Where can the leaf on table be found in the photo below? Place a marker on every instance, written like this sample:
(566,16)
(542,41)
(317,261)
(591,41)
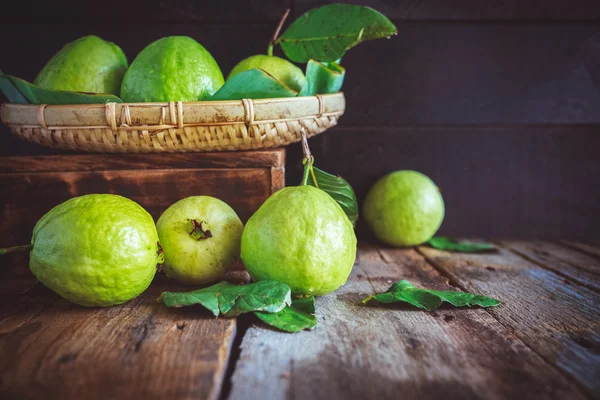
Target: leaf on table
(459,246)
(322,78)
(327,32)
(231,300)
(37,95)
(294,318)
(405,292)
(10,92)
(255,83)
(338,188)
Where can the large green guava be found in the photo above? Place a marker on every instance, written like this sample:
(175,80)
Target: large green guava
(201,239)
(281,69)
(95,250)
(300,236)
(174,68)
(88,64)
(404,208)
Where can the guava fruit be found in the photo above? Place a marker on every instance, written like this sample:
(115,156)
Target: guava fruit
(300,236)
(88,64)
(201,239)
(95,250)
(283,70)
(404,208)
(174,68)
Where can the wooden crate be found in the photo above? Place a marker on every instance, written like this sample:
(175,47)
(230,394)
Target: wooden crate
(30,186)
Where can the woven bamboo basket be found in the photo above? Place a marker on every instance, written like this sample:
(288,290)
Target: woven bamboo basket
(175,126)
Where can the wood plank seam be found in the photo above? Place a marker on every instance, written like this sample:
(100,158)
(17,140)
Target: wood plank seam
(453,282)
(574,246)
(551,269)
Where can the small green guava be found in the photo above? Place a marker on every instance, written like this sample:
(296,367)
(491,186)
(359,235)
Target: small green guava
(282,70)
(96,250)
(88,64)
(404,208)
(300,236)
(201,239)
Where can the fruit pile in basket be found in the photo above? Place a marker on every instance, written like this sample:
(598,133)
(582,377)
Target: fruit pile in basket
(178,68)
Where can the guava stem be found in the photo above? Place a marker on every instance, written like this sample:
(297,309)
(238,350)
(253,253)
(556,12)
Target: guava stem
(199,230)
(276,34)
(25,247)
(308,160)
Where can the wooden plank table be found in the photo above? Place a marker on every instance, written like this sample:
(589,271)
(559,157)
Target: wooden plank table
(542,342)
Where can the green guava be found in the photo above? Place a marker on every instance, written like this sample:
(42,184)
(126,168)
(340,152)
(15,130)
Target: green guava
(88,64)
(174,68)
(404,208)
(201,239)
(283,70)
(95,250)
(300,236)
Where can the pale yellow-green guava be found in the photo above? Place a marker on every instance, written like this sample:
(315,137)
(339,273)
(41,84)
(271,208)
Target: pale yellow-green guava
(95,250)
(300,236)
(404,208)
(282,70)
(88,64)
(174,68)
(201,239)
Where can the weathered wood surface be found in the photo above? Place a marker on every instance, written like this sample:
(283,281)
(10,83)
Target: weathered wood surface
(50,348)
(554,316)
(588,248)
(103,162)
(390,352)
(570,263)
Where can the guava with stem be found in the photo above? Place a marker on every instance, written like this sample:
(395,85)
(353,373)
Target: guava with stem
(281,69)
(201,239)
(302,237)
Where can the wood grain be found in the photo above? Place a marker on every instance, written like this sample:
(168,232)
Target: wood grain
(32,195)
(559,320)
(152,11)
(137,350)
(105,162)
(586,248)
(486,74)
(474,10)
(573,264)
(387,352)
(486,193)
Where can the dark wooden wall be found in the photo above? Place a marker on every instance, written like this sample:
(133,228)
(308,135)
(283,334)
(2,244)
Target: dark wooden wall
(497,101)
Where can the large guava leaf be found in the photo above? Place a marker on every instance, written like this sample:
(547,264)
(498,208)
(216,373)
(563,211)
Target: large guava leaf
(327,32)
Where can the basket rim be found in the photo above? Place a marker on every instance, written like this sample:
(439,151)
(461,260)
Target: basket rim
(161,115)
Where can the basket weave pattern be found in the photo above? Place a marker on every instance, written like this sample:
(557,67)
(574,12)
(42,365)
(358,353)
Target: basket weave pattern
(174,126)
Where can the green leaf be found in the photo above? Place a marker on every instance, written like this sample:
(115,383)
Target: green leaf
(37,95)
(327,32)
(299,316)
(405,292)
(10,92)
(231,300)
(460,246)
(255,83)
(338,188)
(322,78)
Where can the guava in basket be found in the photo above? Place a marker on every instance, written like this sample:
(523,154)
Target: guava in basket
(174,68)
(88,64)
(281,69)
